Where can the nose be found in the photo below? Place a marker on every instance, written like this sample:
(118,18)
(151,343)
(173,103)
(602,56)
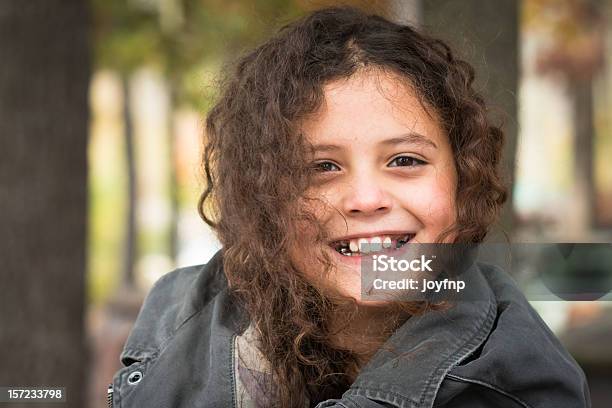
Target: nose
(366,196)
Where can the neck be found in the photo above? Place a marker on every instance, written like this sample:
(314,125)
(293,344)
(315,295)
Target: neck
(364,332)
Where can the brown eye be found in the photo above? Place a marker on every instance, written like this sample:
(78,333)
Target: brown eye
(326,166)
(406,161)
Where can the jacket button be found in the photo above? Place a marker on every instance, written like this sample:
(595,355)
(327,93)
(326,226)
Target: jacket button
(134,377)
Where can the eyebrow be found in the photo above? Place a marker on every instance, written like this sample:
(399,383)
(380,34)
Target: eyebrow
(411,138)
(408,138)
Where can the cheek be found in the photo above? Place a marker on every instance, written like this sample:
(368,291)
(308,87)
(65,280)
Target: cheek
(303,254)
(432,201)
(323,203)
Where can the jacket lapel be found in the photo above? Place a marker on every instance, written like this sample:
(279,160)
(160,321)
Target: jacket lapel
(408,370)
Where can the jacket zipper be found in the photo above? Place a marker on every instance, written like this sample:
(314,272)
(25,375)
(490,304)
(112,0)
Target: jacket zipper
(109,395)
(232,368)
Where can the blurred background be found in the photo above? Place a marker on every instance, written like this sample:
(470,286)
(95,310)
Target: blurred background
(102,104)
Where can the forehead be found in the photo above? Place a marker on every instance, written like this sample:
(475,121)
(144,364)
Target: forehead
(370,105)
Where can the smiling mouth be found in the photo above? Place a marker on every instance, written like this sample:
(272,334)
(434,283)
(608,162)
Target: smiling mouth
(360,246)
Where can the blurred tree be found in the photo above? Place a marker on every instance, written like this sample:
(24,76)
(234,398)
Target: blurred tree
(129,252)
(576,52)
(44,51)
(123,40)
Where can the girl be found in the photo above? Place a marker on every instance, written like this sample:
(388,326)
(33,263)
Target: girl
(342,131)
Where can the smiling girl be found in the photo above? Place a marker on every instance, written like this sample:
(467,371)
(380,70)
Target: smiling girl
(342,134)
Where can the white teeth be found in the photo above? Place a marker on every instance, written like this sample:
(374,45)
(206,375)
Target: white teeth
(387,242)
(367,245)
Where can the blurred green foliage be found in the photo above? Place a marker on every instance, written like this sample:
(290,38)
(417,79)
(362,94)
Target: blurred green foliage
(182,37)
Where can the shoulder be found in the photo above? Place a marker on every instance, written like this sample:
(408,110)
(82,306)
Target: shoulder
(521,363)
(173,299)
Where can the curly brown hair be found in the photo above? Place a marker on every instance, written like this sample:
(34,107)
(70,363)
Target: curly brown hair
(257,173)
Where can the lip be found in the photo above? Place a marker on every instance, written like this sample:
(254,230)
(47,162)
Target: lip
(371,234)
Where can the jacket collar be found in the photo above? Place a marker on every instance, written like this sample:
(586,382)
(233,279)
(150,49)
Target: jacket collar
(409,369)
(174,299)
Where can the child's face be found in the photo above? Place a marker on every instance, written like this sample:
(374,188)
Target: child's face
(385,170)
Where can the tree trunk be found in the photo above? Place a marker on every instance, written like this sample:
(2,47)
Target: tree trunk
(581,217)
(486,34)
(44,78)
(130,240)
(173,242)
